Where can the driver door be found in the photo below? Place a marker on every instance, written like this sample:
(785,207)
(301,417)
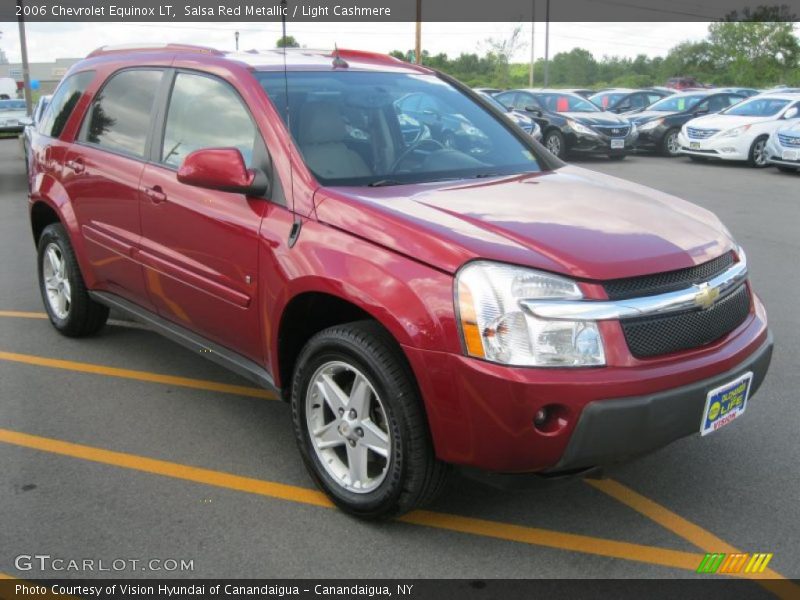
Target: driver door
(199,247)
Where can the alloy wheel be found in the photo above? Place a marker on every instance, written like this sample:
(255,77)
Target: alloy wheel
(56,281)
(673,147)
(554,144)
(347,426)
(760,153)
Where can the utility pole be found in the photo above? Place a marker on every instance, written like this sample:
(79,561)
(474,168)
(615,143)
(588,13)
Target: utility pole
(26,75)
(418,40)
(547,45)
(236,35)
(533,53)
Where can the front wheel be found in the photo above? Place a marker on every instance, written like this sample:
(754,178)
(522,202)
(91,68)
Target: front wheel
(554,142)
(360,425)
(66,300)
(669,144)
(758,153)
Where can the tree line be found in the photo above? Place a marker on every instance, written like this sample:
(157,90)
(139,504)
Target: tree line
(734,53)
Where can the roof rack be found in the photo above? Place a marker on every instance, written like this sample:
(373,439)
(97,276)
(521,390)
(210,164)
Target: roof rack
(126,48)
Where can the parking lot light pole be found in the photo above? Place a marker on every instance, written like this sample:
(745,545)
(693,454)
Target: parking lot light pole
(533,54)
(547,44)
(26,75)
(418,35)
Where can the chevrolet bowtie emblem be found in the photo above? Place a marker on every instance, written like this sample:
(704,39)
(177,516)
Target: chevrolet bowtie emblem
(706,295)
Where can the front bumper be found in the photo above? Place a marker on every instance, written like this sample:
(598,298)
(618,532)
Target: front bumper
(481,414)
(650,139)
(776,153)
(724,148)
(615,430)
(599,143)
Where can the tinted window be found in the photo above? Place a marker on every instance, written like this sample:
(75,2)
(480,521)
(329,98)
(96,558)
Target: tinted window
(63,103)
(653,98)
(507,99)
(122,112)
(639,101)
(525,101)
(717,103)
(205,113)
(607,99)
(677,103)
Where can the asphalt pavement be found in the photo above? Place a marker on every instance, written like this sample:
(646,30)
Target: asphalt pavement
(126,446)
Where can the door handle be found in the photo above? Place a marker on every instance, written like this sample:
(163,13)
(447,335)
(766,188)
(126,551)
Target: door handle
(76,165)
(155,193)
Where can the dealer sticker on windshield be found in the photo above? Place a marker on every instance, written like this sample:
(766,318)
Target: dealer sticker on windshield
(726,403)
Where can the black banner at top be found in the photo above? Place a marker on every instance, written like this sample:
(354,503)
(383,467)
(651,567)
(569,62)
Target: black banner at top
(397,10)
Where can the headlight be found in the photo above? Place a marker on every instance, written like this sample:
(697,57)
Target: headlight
(651,125)
(578,128)
(495,327)
(736,131)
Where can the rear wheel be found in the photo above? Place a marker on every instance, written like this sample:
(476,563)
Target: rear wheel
(669,144)
(66,300)
(360,425)
(758,153)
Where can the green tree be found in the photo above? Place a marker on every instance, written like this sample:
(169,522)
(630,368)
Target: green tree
(576,67)
(287,42)
(754,53)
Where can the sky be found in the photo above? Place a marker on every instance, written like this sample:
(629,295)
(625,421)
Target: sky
(48,41)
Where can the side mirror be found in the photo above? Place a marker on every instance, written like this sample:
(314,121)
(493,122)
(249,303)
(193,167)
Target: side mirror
(791,113)
(222,169)
(534,111)
(622,107)
(701,110)
(26,121)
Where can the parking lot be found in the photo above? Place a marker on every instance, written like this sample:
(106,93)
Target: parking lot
(126,446)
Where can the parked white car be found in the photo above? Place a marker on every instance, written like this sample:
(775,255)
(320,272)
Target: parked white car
(783,146)
(739,132)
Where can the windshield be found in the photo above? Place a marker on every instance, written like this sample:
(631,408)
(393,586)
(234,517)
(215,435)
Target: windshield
(757,107)
(367,128)
(606,99)
(677,103)
(565,103)
(12,105)
(495,102)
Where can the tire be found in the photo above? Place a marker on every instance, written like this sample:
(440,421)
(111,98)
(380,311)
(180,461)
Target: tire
(697,159)
(785,169)
(409,475)
(669,144)
(72,312)
(554,142)
(757,157)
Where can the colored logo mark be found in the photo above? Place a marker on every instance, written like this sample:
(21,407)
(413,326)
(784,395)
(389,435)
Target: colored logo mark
(734,563)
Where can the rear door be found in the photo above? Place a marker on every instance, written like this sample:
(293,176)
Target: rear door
(200,246)
(102,173)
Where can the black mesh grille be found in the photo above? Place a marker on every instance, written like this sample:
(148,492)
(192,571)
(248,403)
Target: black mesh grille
(660,283)
(652,336)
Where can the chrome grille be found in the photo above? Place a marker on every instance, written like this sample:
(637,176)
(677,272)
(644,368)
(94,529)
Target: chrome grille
(789,141)
(700,134)
(613,131)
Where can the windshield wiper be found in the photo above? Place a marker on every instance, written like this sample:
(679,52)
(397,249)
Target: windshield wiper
(384,183)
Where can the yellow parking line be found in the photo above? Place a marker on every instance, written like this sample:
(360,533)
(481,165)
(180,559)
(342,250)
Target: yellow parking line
(81,367)
(503,531)
(19,314)
(702,538)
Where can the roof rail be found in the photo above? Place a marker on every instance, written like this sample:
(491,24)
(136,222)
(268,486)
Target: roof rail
(126,48)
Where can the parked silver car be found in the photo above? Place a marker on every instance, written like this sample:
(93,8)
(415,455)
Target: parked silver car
(12,115)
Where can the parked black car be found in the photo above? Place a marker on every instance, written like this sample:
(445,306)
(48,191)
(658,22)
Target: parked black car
(620,100)
(572,124)
(660,123)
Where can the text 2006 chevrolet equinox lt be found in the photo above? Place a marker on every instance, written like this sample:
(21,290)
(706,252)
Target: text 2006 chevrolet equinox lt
(423,282)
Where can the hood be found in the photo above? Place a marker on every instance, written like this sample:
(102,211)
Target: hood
(725,122)
(13,114)
(598,118)
(791,127)
(647,115)
(571,221)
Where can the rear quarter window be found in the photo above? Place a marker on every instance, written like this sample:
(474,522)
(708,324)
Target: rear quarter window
(57,113)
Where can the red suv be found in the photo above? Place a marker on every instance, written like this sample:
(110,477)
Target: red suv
(424,292)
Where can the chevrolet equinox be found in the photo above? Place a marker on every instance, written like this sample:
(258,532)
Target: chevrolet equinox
(424,292)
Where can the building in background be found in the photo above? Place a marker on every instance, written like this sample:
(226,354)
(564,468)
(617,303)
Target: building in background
(48,74)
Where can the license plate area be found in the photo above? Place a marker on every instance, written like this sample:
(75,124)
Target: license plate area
(726,403)
(694,145)
(791,155)
(617,144)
